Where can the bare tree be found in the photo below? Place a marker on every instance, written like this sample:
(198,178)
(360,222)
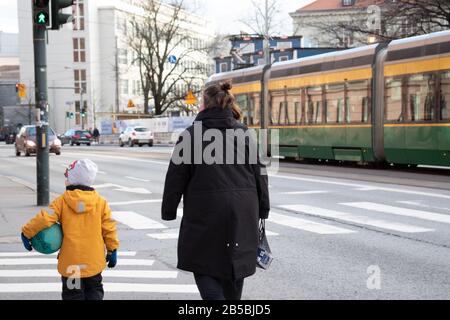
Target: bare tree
(157,36)
(256,21)
(386,21)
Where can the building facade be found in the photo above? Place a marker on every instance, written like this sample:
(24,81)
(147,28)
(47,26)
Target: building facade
(90,66)
(9,69)
(248,51)
(353,23)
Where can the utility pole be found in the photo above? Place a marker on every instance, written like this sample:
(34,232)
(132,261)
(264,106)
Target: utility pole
(266,35)
(82,108)
(41,16)
(46,14)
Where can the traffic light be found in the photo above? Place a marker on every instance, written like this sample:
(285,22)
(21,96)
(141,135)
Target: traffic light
(83,113)
(59,18)
(41,13)
(70,115)
(21,89)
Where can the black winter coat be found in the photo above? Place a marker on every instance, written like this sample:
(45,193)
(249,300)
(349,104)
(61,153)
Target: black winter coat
(222,207)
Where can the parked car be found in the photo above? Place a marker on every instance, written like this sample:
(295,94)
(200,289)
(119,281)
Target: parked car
(76,137)
(26,141)
(136,136)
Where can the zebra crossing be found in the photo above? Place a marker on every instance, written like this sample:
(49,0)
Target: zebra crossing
(19,272)
(315,219)
(23,272)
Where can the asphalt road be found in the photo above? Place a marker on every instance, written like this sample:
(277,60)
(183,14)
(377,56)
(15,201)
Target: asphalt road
(336,233)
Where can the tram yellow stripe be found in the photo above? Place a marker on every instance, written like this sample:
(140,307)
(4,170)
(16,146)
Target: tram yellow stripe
(419,66)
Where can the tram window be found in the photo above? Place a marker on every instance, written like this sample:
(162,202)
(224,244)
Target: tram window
(394,100)
(335,103)
(298,113)
(278,108)
(358,101)
(293,107)
(243,102)
(421,97)
(314,105)
(256,107)
(366,110)
(445,96)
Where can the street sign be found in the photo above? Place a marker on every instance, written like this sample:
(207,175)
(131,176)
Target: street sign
(131,104)
(172,59)
(191,98)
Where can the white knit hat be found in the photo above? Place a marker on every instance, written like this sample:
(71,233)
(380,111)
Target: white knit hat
(82,173)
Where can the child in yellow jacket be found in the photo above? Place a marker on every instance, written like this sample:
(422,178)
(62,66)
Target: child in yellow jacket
(89,233)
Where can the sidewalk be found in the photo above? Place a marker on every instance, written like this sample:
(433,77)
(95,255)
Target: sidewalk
(17,206)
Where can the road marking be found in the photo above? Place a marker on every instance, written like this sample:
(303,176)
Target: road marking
(306,225)
(419,204)
(419,214)
(34,254)
(101,172)
(163,236)
(138,179)
(121,158)
(136,221)
(304,192)
(125,203)
(363,187)
(122,188)
(43,261)
(141,274)
(108,287)
(268,233)
(338,215)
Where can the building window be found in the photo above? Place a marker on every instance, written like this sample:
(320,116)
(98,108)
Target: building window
(79,50)
(78,111)
(78,14)
(124,87)
(80,80)
(223,67)
(284,45)
(122,56)
(347,3)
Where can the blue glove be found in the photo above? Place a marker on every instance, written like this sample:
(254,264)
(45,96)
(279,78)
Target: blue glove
(26,242)
(111,258)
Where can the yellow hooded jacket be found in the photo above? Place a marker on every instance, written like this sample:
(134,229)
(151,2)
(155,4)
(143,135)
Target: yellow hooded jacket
(88,228)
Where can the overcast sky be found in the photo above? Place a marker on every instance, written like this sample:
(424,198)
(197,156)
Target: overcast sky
(225,13)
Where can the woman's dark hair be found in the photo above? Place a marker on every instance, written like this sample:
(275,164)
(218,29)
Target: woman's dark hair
(219,96)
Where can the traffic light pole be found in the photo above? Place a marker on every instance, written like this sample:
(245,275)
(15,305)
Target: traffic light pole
(42,159)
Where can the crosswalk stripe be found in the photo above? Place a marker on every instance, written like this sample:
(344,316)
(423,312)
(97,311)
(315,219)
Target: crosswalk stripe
(419,214)
(126,203)
(163,236)
(303,193)
(306,225)
(37,254)
(268,233)
(174,236)
(43,261)
(108,287)
(345,216)
(138,274)
(136,221)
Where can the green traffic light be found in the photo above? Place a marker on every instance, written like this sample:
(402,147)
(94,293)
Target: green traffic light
(42,18)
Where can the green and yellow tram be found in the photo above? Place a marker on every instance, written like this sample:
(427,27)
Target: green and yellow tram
(383,103)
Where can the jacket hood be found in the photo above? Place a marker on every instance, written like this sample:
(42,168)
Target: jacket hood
(81,201)
(217,118)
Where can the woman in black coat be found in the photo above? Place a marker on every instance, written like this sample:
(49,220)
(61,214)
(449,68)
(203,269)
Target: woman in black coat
(223,203)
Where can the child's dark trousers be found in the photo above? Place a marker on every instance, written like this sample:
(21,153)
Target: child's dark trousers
(83,289)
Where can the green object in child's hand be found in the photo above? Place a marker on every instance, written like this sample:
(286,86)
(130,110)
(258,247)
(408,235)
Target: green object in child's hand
(49,240)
